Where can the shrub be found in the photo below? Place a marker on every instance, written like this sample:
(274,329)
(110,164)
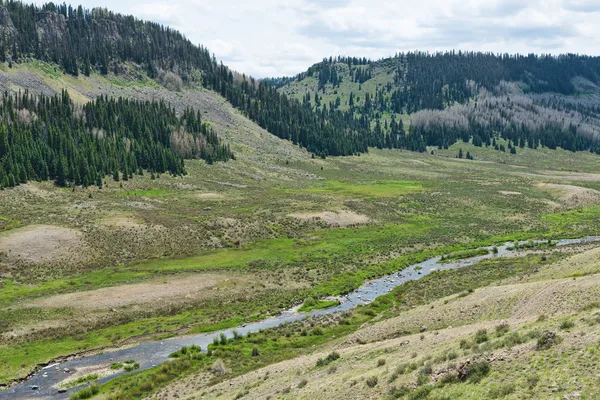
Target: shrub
(566,324)
(399,392)
(330,358)
(481,336)
(502,329)
(449,378)
(255,352)
(302,383)
(422,379)
(116,366)
(547,339)
(476,371)
(381,362)
(420,393)
(172,81)
(86,393)
(502,390)
(219,369)
(372,381)
(511,340)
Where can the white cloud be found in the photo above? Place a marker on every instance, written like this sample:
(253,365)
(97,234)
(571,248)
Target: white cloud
(274,38)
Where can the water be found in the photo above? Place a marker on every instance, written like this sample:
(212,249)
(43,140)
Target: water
(152,353)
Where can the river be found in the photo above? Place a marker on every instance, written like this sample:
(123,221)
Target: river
(43,384)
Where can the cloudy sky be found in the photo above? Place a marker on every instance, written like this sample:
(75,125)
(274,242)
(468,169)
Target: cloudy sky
(267,38)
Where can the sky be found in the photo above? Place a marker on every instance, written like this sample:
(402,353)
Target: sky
(269,38)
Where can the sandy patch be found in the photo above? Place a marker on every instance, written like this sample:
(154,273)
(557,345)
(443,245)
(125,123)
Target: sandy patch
(210,196)
(121,221)
(41,243)
(509,193)
(141,205)
(124,295)
(418,162)
(339,218)
(572,195)
(31,189)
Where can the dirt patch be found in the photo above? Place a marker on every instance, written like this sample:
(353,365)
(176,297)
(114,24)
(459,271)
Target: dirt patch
(121,221)
(509,193)
(572,195)
(148,292)
(338,218)
(41,243)
(141,205)
(210,196)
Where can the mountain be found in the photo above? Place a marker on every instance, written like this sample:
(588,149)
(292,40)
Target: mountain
(82,41)
(414,100)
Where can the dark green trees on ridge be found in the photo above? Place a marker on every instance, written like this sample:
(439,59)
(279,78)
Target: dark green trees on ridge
(49,138)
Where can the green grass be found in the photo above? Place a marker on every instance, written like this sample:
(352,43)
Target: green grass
(461,255)
(79,381)
(375,189)
(7,223)
(317,305)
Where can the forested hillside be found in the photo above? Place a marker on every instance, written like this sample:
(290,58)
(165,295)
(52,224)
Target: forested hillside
(86,41)
(49,138)
(530,100)
(343,105)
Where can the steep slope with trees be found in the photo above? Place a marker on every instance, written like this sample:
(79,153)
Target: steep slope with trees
(49,138)
(82,41)
(461,95)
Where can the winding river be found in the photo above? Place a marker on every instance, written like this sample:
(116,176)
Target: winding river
(43,384)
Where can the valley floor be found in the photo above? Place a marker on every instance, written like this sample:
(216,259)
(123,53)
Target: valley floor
(84,270)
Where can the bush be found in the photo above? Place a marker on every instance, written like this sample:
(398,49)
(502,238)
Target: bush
(399,392)
(481,336)
(172,81)
(329,359)
(302,383)
(476,371)
(372,381)
(219,369)
(566,324)
(86,393)
(422,379)
(502,391)
(502,329)
(547,339)
(381,362)
(420,393)
(449,378)
(255,352)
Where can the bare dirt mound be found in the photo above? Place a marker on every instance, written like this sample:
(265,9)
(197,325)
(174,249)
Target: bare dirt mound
(572,195)
(121,221)
(510,193)
(210,196)
(41,244)
(338,218)
(141,293)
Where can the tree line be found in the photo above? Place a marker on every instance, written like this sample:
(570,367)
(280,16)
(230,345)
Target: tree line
(50,138)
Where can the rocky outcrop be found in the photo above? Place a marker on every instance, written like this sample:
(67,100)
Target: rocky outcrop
(51,27)
(7,28)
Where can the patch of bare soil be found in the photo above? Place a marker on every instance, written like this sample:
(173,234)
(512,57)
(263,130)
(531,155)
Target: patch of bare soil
(141,205)
(121,221)
(572,195)
(196,286)
(210,196)
(509,193)
(338,218)
(42,243)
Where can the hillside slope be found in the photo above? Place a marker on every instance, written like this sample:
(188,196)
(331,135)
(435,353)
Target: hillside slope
(501,328)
